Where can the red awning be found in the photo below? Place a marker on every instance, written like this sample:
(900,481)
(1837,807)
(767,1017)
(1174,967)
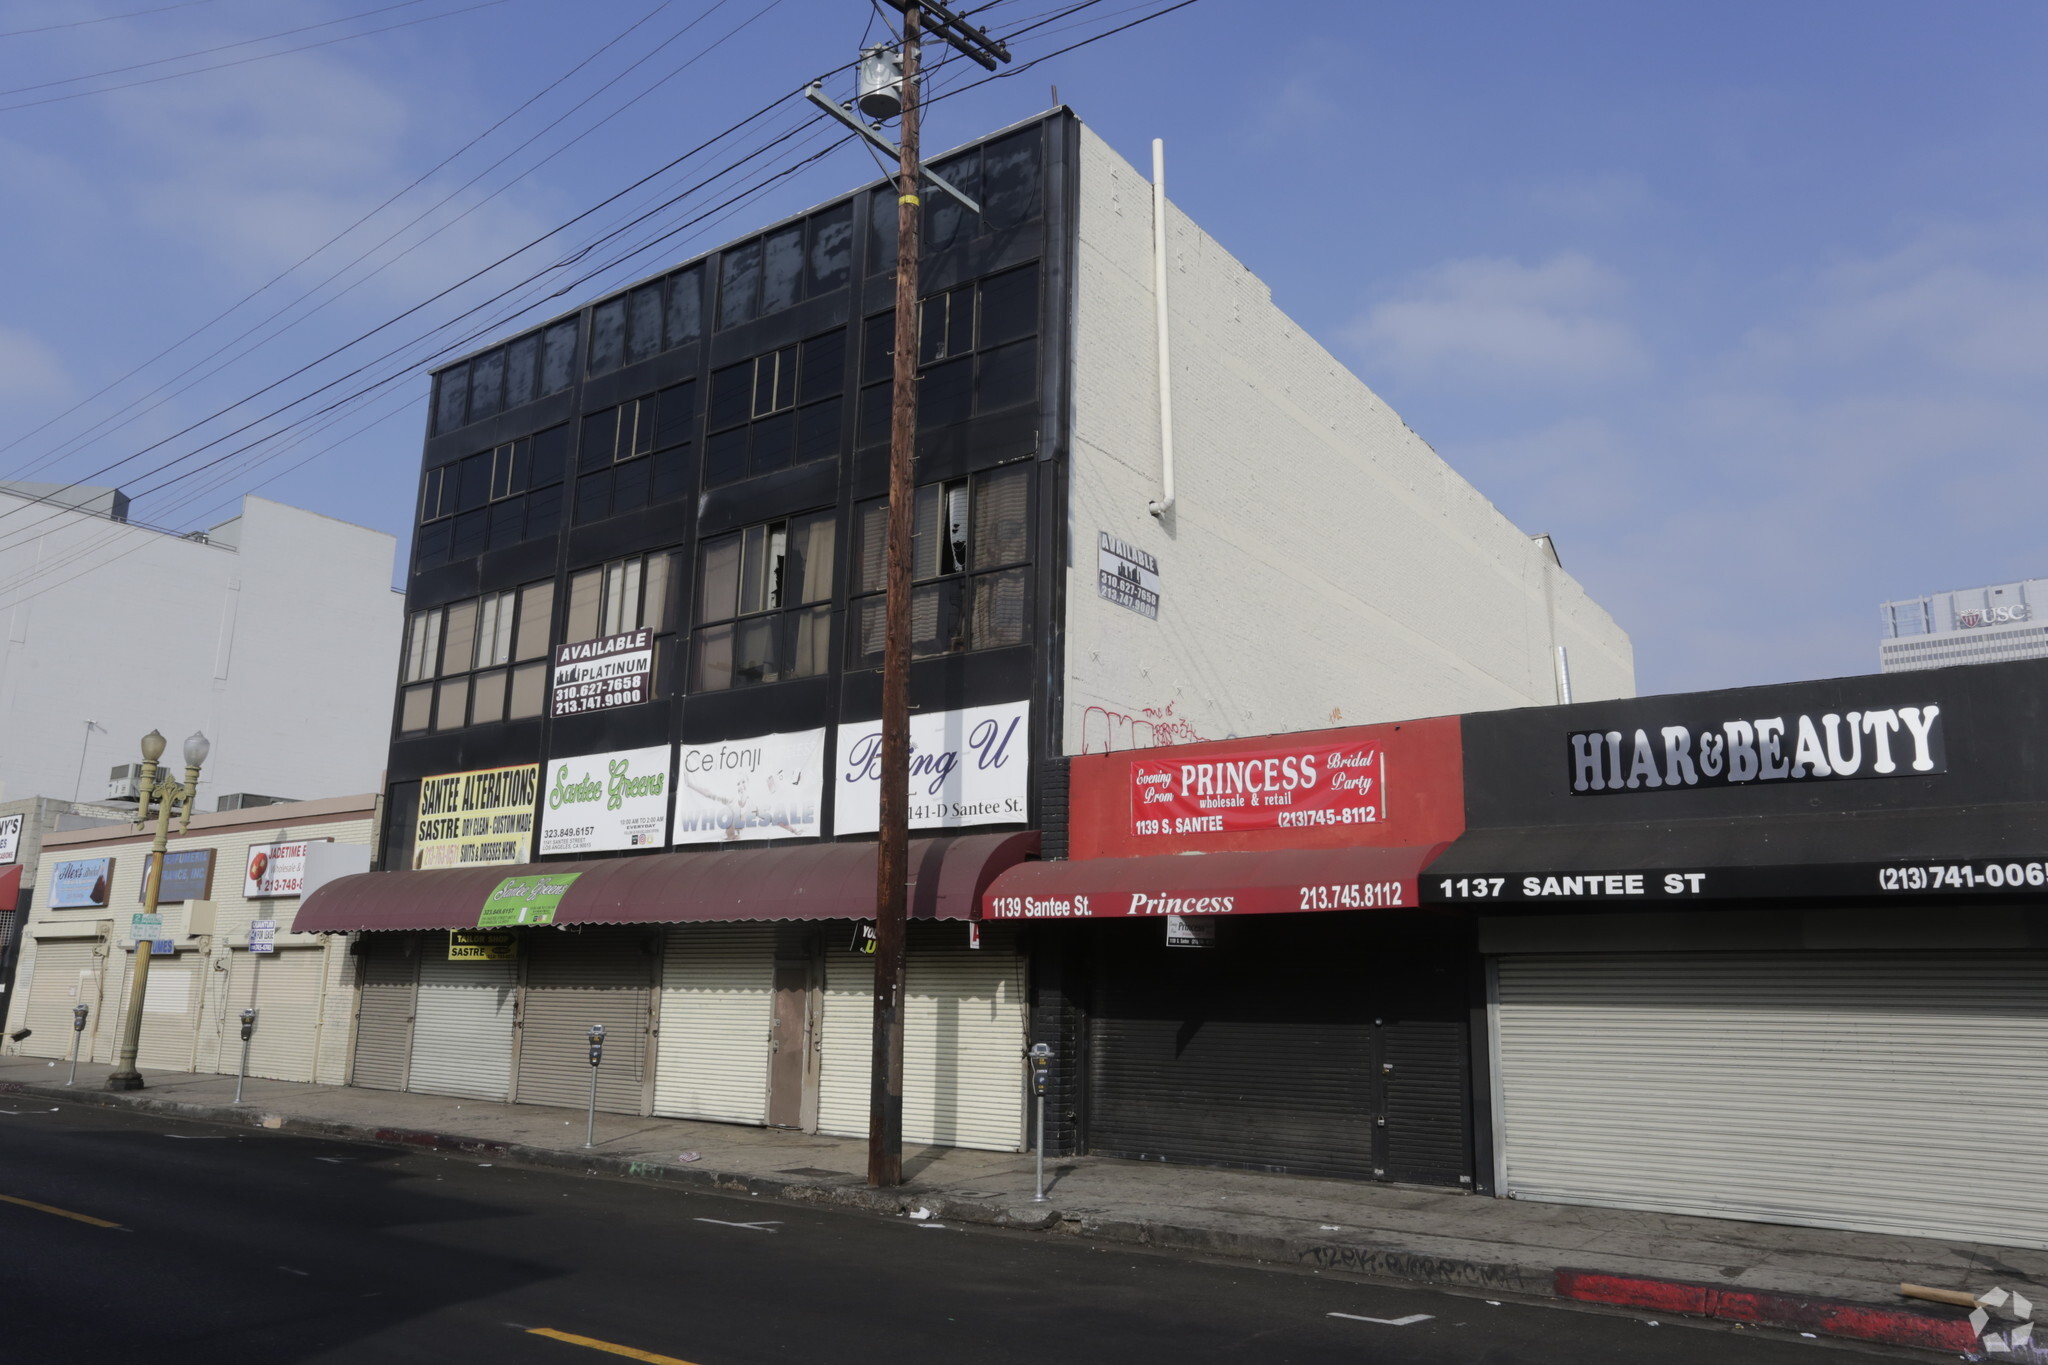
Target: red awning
(10,887)
(1283,881)
(811,881)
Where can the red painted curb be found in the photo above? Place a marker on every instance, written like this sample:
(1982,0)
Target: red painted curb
(1890,1325)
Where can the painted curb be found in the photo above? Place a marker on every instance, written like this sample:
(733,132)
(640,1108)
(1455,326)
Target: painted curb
(1888,1324)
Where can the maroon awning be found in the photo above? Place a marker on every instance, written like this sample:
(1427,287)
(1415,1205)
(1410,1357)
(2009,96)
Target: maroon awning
(811,881)
(10,887)
(1283,881)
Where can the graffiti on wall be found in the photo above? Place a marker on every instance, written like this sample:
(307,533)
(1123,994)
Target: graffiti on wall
(1105,732)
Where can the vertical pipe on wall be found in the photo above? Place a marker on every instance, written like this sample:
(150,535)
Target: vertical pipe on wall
(1161,505)
(1564,676)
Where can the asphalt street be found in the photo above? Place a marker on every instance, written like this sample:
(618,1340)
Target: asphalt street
(147,1239)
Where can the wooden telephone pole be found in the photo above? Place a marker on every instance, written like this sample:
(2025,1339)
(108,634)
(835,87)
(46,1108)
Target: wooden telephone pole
(885,1095)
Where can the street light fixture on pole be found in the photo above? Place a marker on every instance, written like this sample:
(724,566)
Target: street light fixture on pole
(156,788)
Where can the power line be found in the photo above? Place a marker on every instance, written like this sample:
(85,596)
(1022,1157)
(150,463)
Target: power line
(103,19)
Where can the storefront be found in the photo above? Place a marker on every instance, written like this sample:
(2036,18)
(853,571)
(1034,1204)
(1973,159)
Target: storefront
(1235,967)
(728,984)
(1777,953)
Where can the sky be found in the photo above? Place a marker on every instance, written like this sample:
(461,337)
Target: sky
(1746,305)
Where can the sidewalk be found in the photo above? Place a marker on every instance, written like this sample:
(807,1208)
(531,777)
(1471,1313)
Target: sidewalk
(1755,1272)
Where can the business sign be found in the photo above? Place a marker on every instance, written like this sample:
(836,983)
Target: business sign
(525,900)
(596,675)
(1182,932)
(10,839)
(81,882)
(606,801)
(1287,786)
(767,787)
(1903,741)
(968,767)
(1683,883)
(263,936)
(188,876)
(483,945)
(477,819)
(1977,618)
(1126,575)
(273,870)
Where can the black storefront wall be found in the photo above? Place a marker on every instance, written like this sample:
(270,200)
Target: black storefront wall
(1333,1044)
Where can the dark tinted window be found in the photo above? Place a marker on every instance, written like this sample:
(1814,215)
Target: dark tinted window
(823,368)
(882,229)
(676,408)
(685,305)
(451,404)
(829,263)
(600,434)
(508,523)
(471,531)
(433,545)
(817,430)
(1011,179)
(1009,305)
(486,385)
(774,444)
(739,284)
(593,497)
(878,347)
(1009,375)
(629,487)
(544,511)
(874,414)
(946,220)
(782,269)
(522,369)
(725,457)
(732,395)
(558,357)
(550,453)
(643,337)
(944,392)
(608,336)
(476,481)
(671,473)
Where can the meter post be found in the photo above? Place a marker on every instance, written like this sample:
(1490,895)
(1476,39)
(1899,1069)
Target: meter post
(78,1013)
(1041,1077)
(248,1032)
(596,1056)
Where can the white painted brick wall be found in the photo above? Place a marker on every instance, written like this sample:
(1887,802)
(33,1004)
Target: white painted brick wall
(1322,565)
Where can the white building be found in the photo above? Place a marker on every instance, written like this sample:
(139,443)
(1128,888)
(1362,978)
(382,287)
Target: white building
(1967,626)
(276,633)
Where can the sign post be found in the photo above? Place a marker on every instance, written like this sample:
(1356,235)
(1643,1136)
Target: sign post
(1041,1078)
(596,1056)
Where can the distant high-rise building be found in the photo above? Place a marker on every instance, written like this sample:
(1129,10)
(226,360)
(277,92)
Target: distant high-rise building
(1967,626)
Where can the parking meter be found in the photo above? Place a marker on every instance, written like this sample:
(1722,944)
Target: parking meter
(596,1044)
(596,1056)
(1041,1068)
(78,1013)
(248,1025)
(248,1032)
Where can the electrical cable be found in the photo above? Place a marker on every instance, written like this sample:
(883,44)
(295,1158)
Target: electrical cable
(103,19)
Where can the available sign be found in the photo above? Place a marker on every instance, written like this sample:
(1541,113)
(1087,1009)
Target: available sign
(767,787)
(596,675)
(1298,786)
(606,801)
(10,839)
(274,870)
(967,767)
(482,945)
(188,876)
(1126,575)
(263,936)
(525,900)
(81,882)
(477,819)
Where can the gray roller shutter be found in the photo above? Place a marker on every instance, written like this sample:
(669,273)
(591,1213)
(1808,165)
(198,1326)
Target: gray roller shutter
(717,1012)
(462,1025)
(1890,1093)
(170,1012)
(384,1010)
(602,975)
(285,987)
(963,1040)
(67,974)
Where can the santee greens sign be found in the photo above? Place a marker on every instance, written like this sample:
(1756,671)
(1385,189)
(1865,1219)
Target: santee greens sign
(525,900)
(606,801)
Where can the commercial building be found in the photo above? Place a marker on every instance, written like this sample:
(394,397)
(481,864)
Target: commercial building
(23,827)
(644,623)
(275,632)
(1997,624)
(231,885)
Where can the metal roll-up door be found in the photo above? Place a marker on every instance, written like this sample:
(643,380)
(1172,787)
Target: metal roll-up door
(462,1025)
(1302,1044)
(963,1040)
(67,974)
(285,988)
(1881,1092)
(602,975)
(717,1013)
(384,1009)
(170,1013)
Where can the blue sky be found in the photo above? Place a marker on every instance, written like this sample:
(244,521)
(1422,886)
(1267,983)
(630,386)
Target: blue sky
(1745,304)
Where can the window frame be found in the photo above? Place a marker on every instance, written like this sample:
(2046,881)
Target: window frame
(951,588)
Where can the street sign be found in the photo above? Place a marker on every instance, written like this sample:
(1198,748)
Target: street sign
(145,928)
(263,936)
(163,947)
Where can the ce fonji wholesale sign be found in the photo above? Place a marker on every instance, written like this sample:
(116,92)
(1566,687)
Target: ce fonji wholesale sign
(767,787)
(1296,786)
(606,801)
(967,767)
(596,675)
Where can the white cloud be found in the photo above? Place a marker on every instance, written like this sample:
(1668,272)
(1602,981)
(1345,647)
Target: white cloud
(1487,322)
(28,368)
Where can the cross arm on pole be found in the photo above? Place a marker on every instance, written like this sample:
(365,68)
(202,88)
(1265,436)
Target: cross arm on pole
(957,33)
(817,96)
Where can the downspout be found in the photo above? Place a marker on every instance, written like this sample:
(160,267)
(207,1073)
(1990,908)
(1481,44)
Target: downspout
(1162,505)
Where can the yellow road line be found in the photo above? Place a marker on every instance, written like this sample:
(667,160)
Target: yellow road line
(594,1344)
(61,1213)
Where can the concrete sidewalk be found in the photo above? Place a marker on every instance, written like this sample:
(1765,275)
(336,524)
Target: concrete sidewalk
(1717,1267)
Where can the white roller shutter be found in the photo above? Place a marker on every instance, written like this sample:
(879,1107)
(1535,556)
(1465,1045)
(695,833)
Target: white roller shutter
(285,987)
(1882,1092)
(462,1025)
(717,1010)
(67,974)
(170,1013)
(963,1044)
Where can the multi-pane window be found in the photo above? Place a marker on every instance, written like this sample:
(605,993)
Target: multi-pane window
(496,497)
(792,263)
(977,352)
(764,603)
(622,595)
(970,548)
(776,410)
(636,453)
(526,368)
(1003,176)
(648,320)
(471,663)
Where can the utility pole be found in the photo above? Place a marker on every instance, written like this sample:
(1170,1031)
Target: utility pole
(892,854)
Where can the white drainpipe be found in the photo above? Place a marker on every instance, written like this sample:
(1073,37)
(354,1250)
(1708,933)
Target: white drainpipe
(1162,505)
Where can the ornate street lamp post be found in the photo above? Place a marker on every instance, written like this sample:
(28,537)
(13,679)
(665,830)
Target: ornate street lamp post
(168,796)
